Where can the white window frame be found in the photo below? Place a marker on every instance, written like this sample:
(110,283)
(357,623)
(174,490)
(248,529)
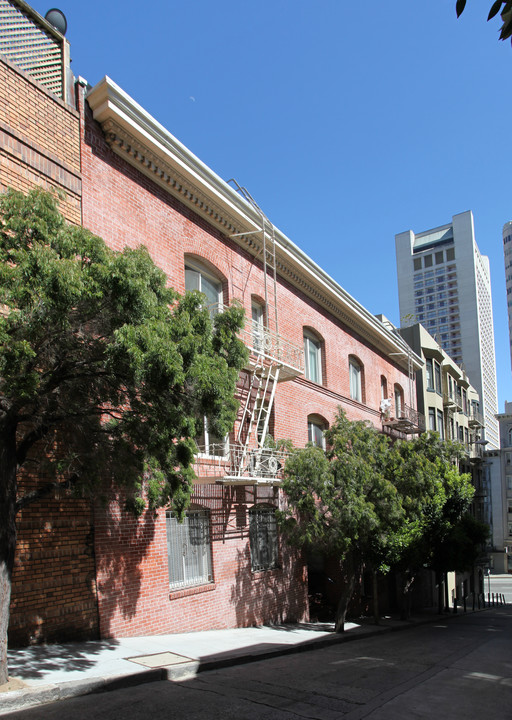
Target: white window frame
(258,325)
(316,429)
(195,275)
(355,372)
(189,549)
(399,401)
(211,446)
(263,538)
(312,345)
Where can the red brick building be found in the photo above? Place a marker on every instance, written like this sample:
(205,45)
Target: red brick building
(313,349)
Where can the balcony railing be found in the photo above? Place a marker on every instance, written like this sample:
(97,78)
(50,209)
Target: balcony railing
(271,346)
(450,401)
(408,421)
(475,419)
(236,464)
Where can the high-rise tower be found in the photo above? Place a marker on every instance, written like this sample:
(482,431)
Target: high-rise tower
(507,252)
(445,284)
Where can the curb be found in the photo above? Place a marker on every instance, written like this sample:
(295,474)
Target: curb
(31,697)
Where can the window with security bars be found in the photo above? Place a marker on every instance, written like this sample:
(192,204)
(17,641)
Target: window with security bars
(189,552)
(263,538)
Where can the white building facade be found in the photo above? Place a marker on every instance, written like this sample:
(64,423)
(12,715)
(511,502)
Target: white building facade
(499,473)
(445,284)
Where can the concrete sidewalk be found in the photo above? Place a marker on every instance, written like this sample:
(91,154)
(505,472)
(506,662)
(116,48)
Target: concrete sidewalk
(48,673)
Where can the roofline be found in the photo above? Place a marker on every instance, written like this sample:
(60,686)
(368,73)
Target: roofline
(135,135)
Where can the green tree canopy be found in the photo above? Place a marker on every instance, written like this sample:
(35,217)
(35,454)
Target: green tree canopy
(106,373)
(341,503)
(368,502)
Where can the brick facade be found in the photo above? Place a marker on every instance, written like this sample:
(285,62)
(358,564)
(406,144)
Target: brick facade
(39,140)
(54,585)
(83,572)
(127,208)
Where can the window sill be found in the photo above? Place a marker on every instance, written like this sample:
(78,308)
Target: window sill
(194,590)
(256,574)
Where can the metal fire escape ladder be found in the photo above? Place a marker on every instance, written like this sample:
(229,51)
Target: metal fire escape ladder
(268,253)
(265,375)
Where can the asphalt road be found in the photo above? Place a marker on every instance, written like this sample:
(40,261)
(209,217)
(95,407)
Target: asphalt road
(499,584)
(456,667)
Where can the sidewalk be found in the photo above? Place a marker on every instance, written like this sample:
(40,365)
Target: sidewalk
(48,673)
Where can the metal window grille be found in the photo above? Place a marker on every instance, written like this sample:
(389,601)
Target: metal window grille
(189,549)
(31,48)
(263,538)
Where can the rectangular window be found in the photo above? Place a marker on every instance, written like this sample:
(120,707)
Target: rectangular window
(450,254)
(431,418)
(263,538)
(427,260)
(417,263)
(189,554)
(439,257)
(440,424)
(430,374)
(437,376)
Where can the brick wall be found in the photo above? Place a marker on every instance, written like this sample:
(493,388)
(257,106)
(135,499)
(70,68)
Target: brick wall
(54,586)
(39,140)
(133,578)
(54,579)
(127,209)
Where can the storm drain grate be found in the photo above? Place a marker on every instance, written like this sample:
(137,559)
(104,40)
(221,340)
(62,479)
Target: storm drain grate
(160,660)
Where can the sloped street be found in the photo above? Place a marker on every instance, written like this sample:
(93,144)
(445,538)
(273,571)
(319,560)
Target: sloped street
(453,667)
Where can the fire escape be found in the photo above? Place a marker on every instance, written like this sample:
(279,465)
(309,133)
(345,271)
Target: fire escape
(250,457)
(398,417)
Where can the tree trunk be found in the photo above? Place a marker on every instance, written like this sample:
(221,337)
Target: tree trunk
(349,572)
(8,490)
(408,579)
(375,593)
(440,592)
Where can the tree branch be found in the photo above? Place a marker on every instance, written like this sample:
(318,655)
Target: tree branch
(44,491)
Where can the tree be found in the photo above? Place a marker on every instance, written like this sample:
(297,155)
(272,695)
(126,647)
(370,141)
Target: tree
(504,7)
(438,496)
(105,372)
(341,503)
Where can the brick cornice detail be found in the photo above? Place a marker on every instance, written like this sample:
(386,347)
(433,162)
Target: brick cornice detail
(165,175)
(134,135)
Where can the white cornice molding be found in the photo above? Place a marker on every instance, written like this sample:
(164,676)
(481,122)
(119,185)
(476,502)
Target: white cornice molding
(143,142)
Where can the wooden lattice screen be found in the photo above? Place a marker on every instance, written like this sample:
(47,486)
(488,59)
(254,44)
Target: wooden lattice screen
(25,43)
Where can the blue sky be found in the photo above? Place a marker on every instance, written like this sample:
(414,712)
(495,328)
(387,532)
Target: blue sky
(348,122)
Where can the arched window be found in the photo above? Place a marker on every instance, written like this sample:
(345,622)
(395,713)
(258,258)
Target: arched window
(189,553)
(198,277)
(313,357)
(383,388)
(258,324)
(399,401)
(509,437)
(355,370)
(263,537)
(316,428)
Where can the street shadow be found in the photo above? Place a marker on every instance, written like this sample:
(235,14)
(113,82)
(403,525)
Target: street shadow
(36,662)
